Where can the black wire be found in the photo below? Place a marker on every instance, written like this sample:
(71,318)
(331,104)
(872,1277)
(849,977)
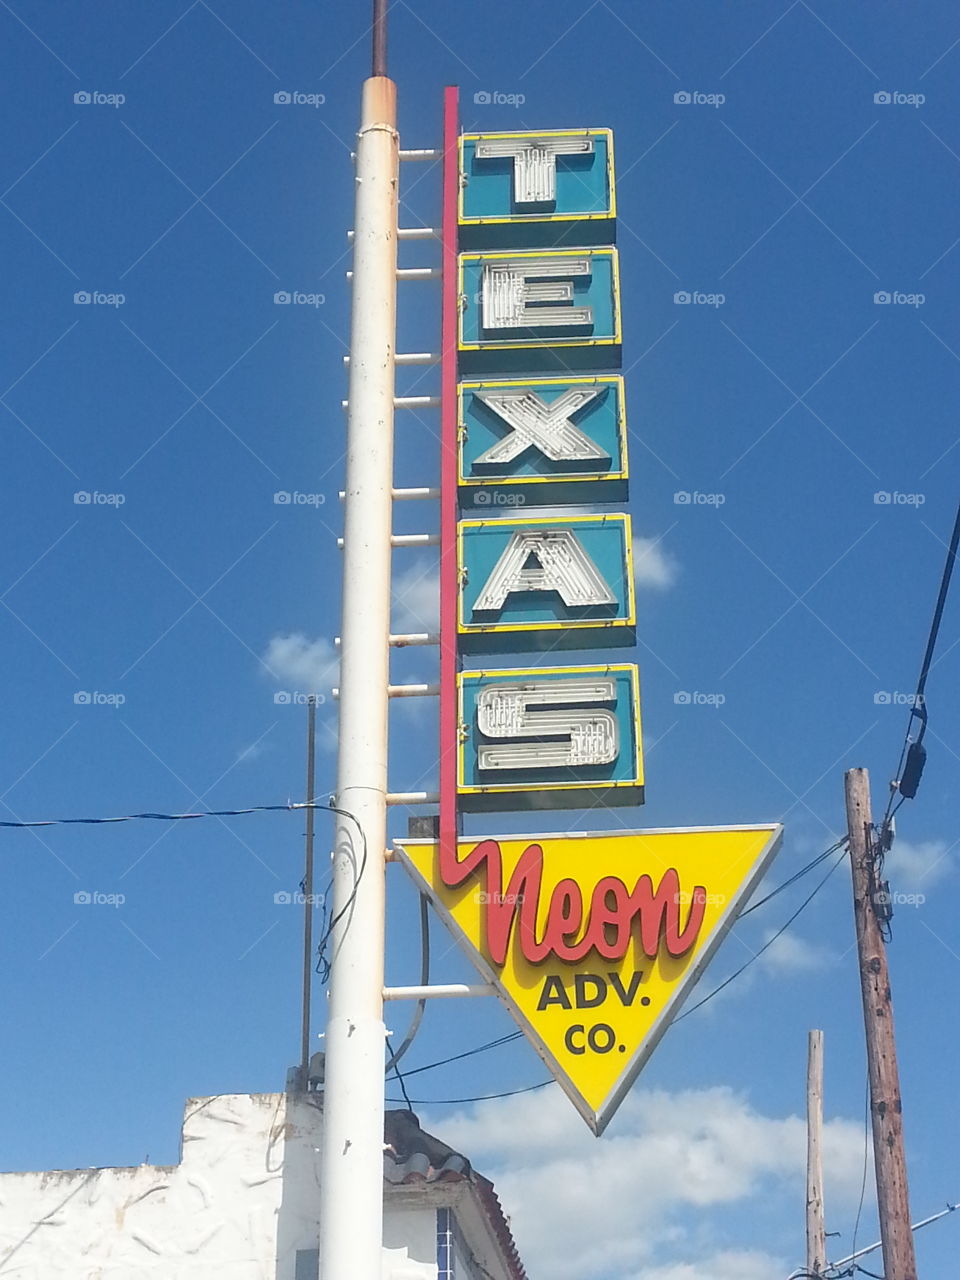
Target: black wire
(919,710)
(769,943)
(486,1097)
(794,878)
(866,1157)
(468,1053)
(323,965)
(403,1087)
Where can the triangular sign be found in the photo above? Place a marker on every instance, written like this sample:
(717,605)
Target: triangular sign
(594,940)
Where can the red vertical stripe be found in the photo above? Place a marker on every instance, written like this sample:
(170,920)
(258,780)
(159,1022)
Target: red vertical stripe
(449,744)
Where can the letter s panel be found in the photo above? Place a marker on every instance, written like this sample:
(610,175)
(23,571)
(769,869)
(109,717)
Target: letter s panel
(550,738)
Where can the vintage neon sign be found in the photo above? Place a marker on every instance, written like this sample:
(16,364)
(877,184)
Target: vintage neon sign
(594,940)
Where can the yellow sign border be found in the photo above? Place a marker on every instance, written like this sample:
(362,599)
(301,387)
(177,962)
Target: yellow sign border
(520,672)
(608,216)
(492,628)
(545,343)
(574,477)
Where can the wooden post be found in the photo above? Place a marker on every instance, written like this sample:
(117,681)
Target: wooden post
(893,1201)
(816,1231)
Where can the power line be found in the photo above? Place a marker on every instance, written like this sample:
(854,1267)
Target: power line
(913,754)
(172,817)
(769,943)
(486,1097)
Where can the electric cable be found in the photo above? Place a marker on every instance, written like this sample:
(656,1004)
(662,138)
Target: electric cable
(170,817)
(795,877)
(866,1158)
(417,1018)
(323,965)
(491,1044)
(769,943)
(486,1097)
(913,754)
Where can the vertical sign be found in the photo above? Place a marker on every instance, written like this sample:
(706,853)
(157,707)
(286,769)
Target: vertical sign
(593,940)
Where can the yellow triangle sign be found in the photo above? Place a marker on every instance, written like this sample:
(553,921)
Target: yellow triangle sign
(594,940)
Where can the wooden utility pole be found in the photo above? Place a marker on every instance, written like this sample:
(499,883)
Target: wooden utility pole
(816,1231)
(893,1201)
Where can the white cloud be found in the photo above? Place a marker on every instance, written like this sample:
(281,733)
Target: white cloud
(652,565)
(727,1265)
(307,666)
(793,954)
(617,1208)
(910,866)
(416,597)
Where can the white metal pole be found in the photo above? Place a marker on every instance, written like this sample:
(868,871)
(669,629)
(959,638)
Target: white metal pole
(351,1192)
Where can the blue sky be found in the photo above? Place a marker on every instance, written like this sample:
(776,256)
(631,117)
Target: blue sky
(799,598)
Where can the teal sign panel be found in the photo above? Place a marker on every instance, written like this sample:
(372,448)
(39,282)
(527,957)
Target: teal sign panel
(539,310)
(550,738)
(542,441)
(548,188)
(561,582)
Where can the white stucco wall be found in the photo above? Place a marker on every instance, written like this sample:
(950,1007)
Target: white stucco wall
(243,1200)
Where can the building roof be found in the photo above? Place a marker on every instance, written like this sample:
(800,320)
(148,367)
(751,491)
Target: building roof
(412,1156)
